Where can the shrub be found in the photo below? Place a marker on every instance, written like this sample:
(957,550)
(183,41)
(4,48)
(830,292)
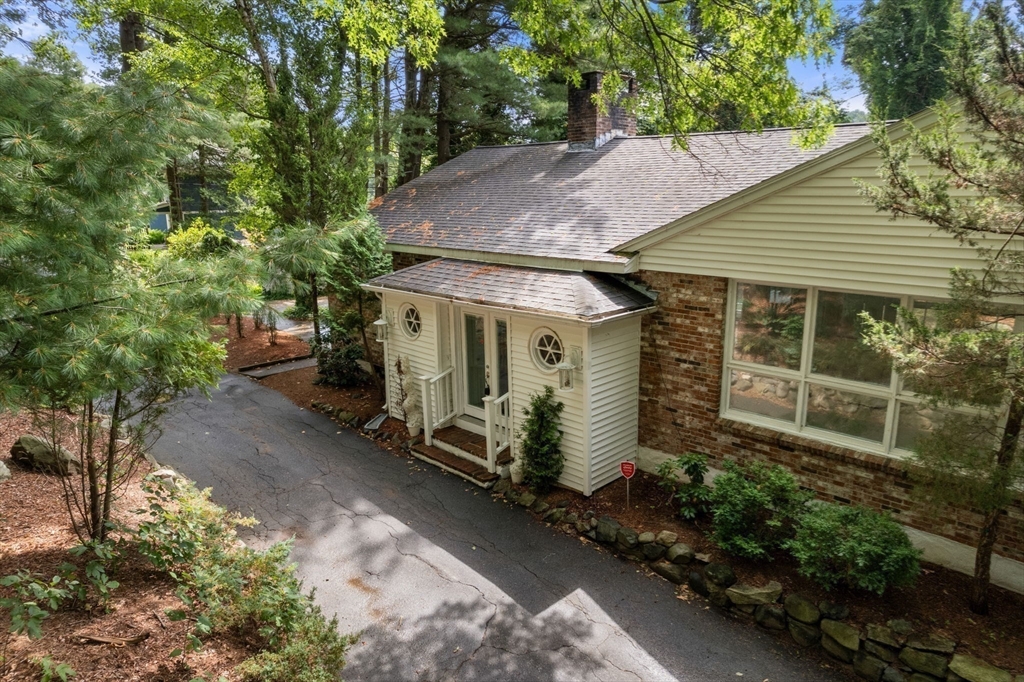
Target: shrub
(337,360)
(229,586)
(694,497)
(541,441)
(755,509)
(854,546)
(156,237)
(199,241)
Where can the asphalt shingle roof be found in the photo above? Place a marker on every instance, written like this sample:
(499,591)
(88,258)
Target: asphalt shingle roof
(540,200)
(578,294)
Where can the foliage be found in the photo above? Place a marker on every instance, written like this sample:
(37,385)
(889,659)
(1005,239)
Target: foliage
(694,497)
(199,241)
(756,508)
(228,586)
(853,546)
(337,357)
(156,237)
(35,599)
(541,440)
(55,670)
(898,51)
(968,356)
(703,63)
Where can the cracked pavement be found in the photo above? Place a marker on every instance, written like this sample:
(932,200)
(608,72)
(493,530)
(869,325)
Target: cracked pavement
(442,582)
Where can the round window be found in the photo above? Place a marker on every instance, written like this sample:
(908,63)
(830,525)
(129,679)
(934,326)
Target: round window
(411,323)
(547,349)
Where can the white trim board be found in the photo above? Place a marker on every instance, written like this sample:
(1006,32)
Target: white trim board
(951,554)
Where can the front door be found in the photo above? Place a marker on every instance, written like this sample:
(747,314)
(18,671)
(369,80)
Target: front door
(484,359)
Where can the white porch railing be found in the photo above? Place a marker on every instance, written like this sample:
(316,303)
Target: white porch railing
(497,427)
(438,402)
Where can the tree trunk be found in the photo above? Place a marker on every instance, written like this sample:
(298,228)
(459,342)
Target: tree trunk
(366,343)
(204,200)
(375,104)
(93,504)
(990,528)
(110,464)
(444,126)
(385,124)
(174,195)
(417,96)
(129,30)
(238,325)
(315,306)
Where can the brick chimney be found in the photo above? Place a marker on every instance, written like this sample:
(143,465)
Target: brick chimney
(588,128)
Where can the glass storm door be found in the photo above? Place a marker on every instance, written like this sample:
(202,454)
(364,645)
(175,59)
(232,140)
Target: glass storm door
(485,359)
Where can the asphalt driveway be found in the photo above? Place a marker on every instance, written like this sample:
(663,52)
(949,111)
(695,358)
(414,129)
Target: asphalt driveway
(443,582)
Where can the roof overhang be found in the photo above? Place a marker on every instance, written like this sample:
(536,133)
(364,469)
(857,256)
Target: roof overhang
(615,264)
(587,298)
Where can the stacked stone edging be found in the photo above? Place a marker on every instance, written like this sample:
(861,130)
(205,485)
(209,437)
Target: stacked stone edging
(893,652)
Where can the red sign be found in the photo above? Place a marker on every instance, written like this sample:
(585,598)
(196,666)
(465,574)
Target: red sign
(627,469)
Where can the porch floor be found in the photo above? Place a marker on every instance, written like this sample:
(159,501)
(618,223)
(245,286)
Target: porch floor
(457,465)
(470,442)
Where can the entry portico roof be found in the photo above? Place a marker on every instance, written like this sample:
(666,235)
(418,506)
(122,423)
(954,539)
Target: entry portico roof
(582,295)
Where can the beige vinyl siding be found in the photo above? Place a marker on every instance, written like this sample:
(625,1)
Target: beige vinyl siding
(819,232)
(421,351)
(614,365)
(528,379)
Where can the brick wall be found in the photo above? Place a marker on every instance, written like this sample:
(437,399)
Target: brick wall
(586,122)
(680,387)
(400,260)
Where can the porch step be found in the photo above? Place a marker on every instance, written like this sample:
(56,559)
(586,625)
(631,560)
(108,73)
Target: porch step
(463,468)
(471,443)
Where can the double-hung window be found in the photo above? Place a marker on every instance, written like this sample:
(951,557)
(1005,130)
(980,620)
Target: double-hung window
(796,362)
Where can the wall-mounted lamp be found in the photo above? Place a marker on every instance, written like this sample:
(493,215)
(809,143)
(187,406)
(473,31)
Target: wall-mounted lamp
(381,326)
(567,368)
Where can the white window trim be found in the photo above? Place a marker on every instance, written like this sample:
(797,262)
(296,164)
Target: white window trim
(402,321)
(534,338)
(894,392)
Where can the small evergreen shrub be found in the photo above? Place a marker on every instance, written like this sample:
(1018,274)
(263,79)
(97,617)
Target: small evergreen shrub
(694,497)
(156,237)
(541,441)
(854,546)
(199,241)
(756,509)
(337,361)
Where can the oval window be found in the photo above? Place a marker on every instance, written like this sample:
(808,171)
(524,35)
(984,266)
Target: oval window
(411,322)
(547,349)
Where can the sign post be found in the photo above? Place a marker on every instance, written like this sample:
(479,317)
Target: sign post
(628,469)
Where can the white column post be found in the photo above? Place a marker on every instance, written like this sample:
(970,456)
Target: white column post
(492,456)
(428,413)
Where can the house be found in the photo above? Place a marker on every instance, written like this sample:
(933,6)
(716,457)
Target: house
(701,300)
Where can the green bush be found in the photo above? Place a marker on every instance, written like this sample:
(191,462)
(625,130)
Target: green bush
(199,241)
(541,441)
(694,497)
(854,546)
(756,509)
(156,237)
(230,587)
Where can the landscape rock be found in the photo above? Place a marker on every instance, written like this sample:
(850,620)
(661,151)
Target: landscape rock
(672,572)
(5,473)
(583,527)
(540,506)
(555,515)
(526,499)
(645,538)
(880,651)
(168,478)
(803,634)
(571,519)
(924,662)
(720,574)
(697,583)
(835,649)
(627,538)
(718,597)
(36,453)
(771,616)
(563,503)
(679,553)
(921,677)
(666,538)
(607,528)
(702,557)
(502,486)
(512,495)
(976,670)
(592,534)
(846,635)
(802,608)
(931,642)
(901,628)
(868,667)
(881,634)
(751,594)
(593,522)
(589,514)
(653,551)
(833,611)
(891,674)
(344,417)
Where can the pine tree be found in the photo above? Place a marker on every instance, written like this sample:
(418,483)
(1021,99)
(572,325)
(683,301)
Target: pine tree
(967,362)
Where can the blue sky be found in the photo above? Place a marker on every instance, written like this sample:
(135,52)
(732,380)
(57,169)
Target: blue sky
(809,76)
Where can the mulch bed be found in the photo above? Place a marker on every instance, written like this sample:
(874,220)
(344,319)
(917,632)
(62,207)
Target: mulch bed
(35,535)
(254,346)
(938,603)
